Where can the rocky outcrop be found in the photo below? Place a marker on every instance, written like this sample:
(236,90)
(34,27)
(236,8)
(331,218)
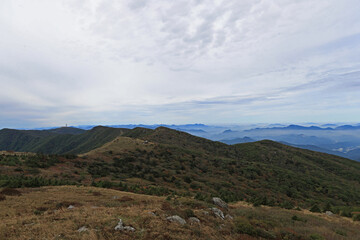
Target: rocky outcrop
(218,213)
(219,202)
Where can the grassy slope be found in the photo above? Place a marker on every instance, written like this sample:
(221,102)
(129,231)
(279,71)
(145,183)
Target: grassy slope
(41,213)
(263,172)
(57,141)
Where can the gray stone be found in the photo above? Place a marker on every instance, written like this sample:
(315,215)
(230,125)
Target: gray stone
(71,207)
(115,197)
(219,202)
(176,219)
(83,229)
(194,220)
(228,216)
(218,213)
(329,213)
(120,227)
(130,229)
(152,214)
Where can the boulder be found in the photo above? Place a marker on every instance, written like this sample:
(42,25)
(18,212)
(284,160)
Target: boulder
(71,207)
(176,219)
(218,213)
(229,217)
(329,213)
(194,220)
(219,202)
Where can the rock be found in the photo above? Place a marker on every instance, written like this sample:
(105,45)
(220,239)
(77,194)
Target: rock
(120,227)
(115,197)
(219,202)
(83,229)
(228,216)
(130,229)
(152,214)
(329,213)
(218,213)
(71,207)
(176,219)
(194,220)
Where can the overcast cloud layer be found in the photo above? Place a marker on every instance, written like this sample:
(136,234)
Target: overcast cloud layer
(159,61)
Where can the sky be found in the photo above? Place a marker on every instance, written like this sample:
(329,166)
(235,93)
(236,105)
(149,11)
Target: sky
(193,61)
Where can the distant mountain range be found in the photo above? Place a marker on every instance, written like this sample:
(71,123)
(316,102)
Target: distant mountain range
(299,127)
(339,139)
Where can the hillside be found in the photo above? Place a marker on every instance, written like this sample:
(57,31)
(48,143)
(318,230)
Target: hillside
(165,161)
(57,141)
(70,212)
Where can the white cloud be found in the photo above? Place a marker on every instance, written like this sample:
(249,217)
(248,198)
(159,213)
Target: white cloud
(177,61)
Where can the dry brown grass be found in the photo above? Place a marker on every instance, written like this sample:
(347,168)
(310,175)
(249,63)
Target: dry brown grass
(42,213)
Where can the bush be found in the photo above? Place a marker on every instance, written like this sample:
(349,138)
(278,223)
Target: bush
(243,226)
(356,217)
(188,213)
(2,197)
(346,213)
(10,192)
(287,205)
(315,208)
(316,237)
(341,232)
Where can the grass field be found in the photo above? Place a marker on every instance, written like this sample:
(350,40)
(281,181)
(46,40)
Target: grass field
(42,213)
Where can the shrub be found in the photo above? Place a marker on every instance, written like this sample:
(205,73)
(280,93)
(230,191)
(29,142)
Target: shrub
(2,197)
(10,192)
(243,226)
(315,208)
(346,213)
(356,217)
(188,213)
(328,207)
(187,179)
(287,205)
(316,236)
(296,218)
(341,232)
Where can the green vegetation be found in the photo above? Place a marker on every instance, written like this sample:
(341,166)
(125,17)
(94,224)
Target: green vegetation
(57,141)
(165,161)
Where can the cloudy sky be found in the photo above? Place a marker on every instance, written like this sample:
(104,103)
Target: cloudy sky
(160,61)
